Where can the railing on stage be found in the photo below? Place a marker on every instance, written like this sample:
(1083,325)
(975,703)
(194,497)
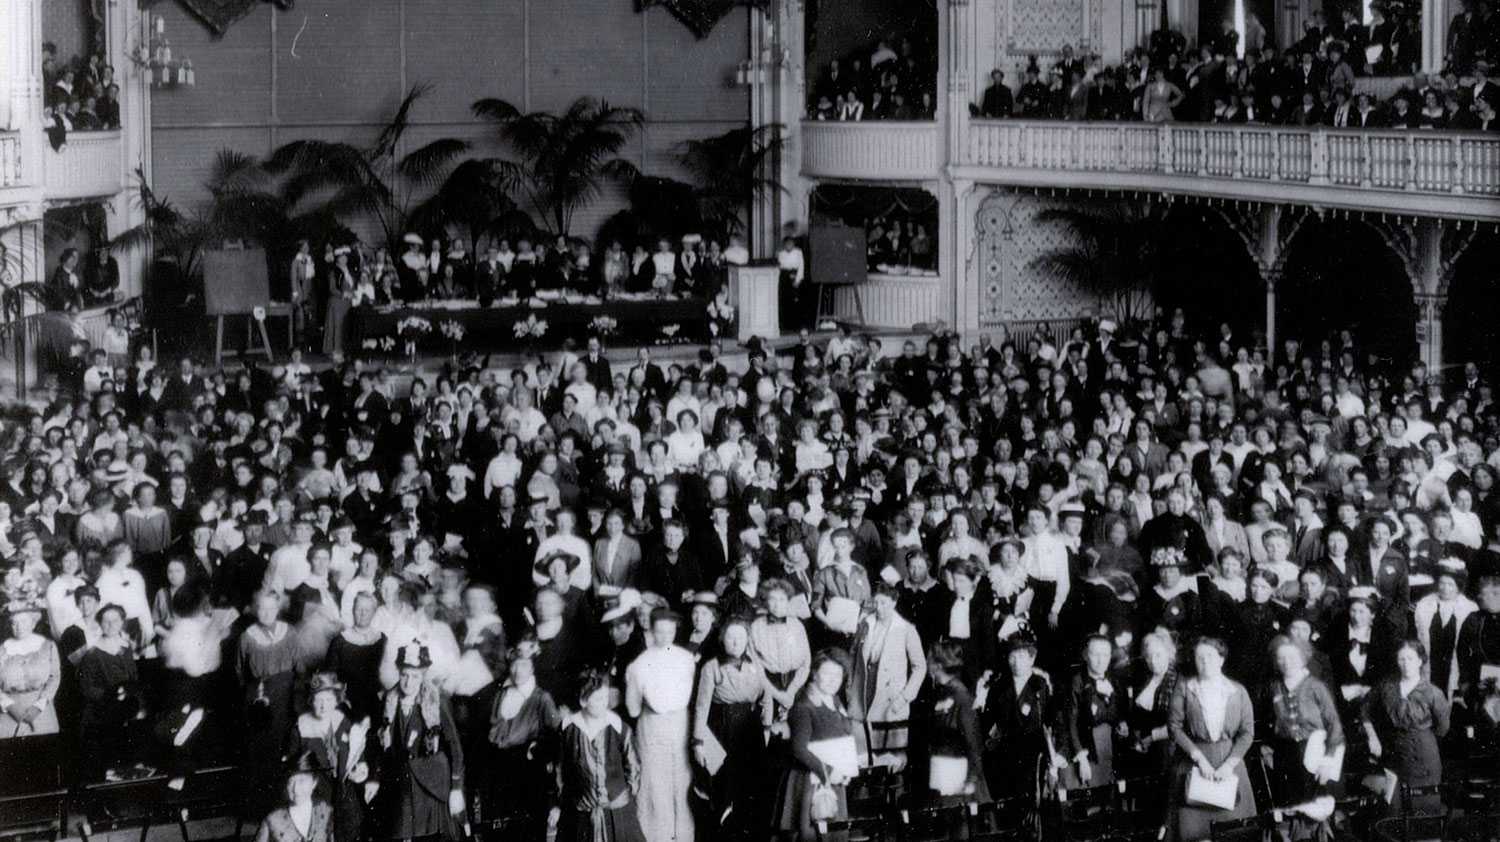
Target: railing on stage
(879,150)
(1455,173)
(1021,331)
(890,300)
(88,166)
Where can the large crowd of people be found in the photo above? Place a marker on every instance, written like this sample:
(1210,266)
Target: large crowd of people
(630,601)
(1313,82)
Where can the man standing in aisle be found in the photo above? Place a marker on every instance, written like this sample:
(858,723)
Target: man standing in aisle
(304,269)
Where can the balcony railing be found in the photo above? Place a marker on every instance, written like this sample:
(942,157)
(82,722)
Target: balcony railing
(88,166)
(1447,172)
(881,150)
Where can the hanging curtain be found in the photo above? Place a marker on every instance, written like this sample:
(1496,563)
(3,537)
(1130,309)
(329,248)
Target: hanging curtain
(699,16)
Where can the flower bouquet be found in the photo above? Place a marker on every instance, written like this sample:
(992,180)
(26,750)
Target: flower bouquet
(530,330)
(603,326)
(455,332)
(411,329)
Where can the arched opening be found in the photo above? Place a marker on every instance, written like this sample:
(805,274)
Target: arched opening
(1340,275)
(1473,293)
(1212,279)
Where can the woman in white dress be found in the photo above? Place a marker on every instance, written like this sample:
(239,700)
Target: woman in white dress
(658,692)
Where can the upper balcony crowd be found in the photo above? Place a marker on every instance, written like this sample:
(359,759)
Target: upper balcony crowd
(878,82)
(81,94)
(1314,82)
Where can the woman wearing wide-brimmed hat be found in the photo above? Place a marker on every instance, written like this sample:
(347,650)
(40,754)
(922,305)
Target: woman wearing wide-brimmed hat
(340,745)
(30,671)
(302,816)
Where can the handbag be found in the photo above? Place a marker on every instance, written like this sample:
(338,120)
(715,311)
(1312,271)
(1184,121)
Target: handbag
(1203,791)
(825,802)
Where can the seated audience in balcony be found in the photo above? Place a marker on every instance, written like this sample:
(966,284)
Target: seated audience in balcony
(102,279)
(56,124)
(1480,117)
(892,86)
(108,107)
(67,287)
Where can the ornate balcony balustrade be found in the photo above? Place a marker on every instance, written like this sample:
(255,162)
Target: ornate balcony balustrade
(88,166)
(880,150)
(1438,173)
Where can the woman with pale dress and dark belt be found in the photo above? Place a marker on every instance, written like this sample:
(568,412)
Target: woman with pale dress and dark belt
(1212,724)
(1405,717)
(658,692)
(30,670)
(598,772)
(731,707)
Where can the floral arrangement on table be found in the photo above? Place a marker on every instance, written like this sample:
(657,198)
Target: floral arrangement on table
(531,329)
(670,330)
(603,326)
(410,329)
(382,343)
(720,315)
(454,331)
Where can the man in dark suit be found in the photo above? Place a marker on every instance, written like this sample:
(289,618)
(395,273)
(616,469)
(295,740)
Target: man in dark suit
(654,383)
(717,542)
(182,388)
(597,366)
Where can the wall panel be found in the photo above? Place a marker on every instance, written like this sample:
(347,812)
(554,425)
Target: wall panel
(253,94)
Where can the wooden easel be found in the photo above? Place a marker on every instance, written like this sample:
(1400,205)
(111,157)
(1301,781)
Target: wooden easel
(253,328)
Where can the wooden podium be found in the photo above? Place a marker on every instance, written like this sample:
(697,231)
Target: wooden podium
(756,296)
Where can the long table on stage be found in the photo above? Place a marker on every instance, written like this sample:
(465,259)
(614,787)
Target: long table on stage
(644,321)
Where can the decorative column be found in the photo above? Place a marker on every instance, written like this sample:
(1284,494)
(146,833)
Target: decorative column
(778,97)
(1430,307)
(1435,17)
(963,287)
(1266,231)
(1429,250)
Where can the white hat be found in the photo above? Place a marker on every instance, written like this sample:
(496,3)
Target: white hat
(1107,324)
(414,239)
(688,239)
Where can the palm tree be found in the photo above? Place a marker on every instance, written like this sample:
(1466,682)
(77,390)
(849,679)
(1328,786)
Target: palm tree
(732,170)
(1115,251)
(381,181)
(473,200)
(168,231)
(565,159)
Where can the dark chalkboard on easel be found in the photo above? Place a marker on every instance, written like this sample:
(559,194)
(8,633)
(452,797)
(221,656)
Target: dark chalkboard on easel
(234,281)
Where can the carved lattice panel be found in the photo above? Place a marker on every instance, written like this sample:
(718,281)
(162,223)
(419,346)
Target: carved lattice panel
(1009,239)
